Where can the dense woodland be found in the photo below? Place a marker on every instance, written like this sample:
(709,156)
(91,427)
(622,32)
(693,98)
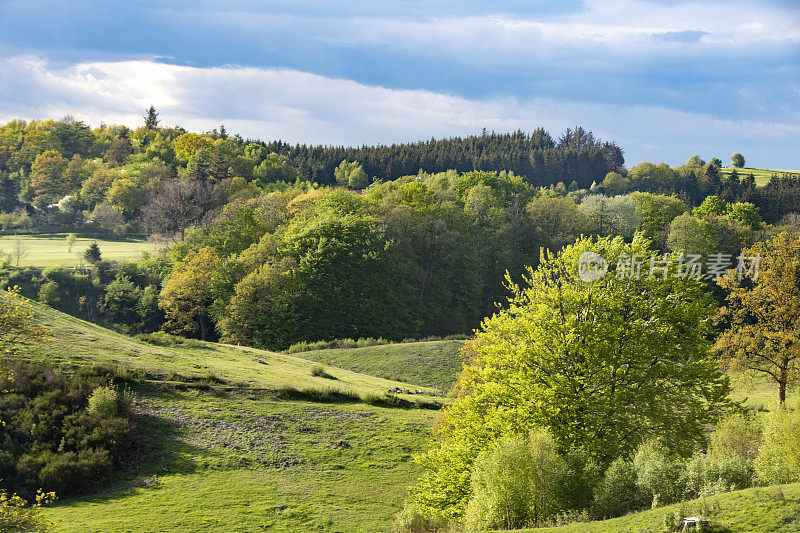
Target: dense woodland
(273,244)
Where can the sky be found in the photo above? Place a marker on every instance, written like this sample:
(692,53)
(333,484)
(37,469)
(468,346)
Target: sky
(663,79)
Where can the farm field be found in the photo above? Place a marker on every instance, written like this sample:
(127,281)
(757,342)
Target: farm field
(762,175)
(51,249)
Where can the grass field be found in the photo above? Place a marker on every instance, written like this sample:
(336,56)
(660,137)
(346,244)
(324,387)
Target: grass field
(232,456)
(242,463)
(433,363)
(767,509)
(762,175)
(51,249)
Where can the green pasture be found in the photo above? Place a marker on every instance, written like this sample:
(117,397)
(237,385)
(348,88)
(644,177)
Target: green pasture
(762,175)
(762,509)
(431,363)
(51,249)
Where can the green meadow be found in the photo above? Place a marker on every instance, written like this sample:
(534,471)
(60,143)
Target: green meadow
(762,175)
(432,363)
(224,447)
(50,249)
(762,509)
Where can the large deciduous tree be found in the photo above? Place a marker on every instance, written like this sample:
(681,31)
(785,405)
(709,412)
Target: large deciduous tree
(47,176)
(602,365)
(176,206)
(763,311)
(186,297)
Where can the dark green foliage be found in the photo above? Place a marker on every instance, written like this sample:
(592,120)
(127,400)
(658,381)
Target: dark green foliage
(51,440)
(92,253)
(578,156)
(319,372)
(151,119)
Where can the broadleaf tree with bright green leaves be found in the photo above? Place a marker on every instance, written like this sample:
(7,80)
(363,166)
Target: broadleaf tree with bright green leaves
(602,365)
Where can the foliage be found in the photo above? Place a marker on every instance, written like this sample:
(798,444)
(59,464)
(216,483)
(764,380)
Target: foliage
(657,473)
(612,216)
(778,459)
(560,358)
(763,312)
(351,175)
(92,253)
(712,205)
(17,323)
(515,483)
(656,212)
(619,492)
(185,298)
(737,160)
(104,402)
(70,241)
(17,515)
(51,439)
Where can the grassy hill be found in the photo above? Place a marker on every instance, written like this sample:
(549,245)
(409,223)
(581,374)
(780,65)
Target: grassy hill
(220,451)
(433,363)
(762,175)
(774,508)
(51,249)
(78,341)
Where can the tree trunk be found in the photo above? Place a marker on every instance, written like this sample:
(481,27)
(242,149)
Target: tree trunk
(782,383)
(782,392)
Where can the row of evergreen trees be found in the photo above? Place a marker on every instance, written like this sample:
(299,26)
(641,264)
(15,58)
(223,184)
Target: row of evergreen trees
(575,156)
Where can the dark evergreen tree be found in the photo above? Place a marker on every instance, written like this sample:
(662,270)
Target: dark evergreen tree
(151,119)
(92,253)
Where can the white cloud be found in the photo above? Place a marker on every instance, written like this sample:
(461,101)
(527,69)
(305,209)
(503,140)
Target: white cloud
(301,107)
(501,38)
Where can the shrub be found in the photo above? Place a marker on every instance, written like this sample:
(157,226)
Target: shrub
(619,491)
(103,402)
(413,520)
(17,515)
(166,340)
(657,473)
(62,432)
(319,372)
(49,293)
(514,484)
(736,437)
(778,460)
(304,346)
(69,472)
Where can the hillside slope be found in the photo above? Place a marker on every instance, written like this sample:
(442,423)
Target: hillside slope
(431,363)
(763,509)
(228,457)
(77,341)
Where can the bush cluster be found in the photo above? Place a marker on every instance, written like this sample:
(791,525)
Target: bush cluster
(522,481)
(61,433)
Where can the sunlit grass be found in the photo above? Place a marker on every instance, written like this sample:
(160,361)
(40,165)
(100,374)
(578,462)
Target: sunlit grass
(51,249)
